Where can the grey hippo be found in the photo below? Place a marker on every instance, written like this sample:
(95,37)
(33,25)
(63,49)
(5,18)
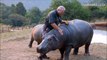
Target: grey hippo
(76,34)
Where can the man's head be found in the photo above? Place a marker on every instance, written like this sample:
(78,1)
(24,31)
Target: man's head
(61,10)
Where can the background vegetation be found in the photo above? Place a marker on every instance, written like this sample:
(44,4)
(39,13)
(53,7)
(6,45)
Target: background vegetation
(17,15)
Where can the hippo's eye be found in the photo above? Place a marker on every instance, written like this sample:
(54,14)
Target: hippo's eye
(49,39)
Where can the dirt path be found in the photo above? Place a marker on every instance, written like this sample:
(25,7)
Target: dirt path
(17,49)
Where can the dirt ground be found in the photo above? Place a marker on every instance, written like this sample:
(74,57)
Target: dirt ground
(17,49)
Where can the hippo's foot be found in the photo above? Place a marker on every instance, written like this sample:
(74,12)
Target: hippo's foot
(43,57)
(39,58)
(75,53)
(60,59)
(30,46)
(87,54)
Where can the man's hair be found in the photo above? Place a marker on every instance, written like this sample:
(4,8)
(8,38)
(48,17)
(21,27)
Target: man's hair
(61,7)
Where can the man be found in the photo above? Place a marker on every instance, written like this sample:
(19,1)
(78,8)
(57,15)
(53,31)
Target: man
(53,19)
(51,22)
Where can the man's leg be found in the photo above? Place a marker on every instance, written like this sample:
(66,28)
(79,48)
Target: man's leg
(44,32)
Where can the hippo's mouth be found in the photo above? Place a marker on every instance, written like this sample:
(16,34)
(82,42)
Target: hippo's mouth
(42,50)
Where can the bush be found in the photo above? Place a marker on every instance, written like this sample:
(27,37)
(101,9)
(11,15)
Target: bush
(5,11)
(34,15)
(16,20)
(98,12)
(74,10)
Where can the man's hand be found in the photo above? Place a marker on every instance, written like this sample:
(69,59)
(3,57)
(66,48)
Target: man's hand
(60,31)
(65,21)
(57,28)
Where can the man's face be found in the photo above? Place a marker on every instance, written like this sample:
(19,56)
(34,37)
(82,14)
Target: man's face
(61,12)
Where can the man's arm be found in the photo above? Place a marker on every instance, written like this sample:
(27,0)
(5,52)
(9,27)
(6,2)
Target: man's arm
(57,28)
(52,18)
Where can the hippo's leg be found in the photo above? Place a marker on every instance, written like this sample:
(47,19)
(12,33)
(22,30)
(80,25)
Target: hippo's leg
(76,51)
(31,41)
(62,53)
(43,56)
(87,49)
(67,52)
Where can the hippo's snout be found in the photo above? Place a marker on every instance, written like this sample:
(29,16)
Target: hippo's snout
(41,49)
(38,49)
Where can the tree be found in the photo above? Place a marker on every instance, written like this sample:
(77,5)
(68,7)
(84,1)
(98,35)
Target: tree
(16,20)
(99,2)
(74,9)
(13,8)
(4,11)
(43,16)
(104,11)
(34,15)
(98,11)
(20,9)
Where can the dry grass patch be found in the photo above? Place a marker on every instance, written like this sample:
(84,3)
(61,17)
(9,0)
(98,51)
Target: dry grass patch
(14,34)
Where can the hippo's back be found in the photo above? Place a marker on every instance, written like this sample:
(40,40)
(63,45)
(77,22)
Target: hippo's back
(82,26)
(82,32)
(37,32)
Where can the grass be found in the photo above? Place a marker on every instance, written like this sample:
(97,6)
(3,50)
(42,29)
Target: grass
(14,34)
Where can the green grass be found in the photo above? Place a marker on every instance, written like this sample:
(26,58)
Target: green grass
(14,34)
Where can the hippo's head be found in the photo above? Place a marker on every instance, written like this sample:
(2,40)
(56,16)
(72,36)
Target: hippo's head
(49,43)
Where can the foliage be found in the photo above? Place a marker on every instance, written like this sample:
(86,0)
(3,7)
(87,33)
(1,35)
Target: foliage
(4,11)
(16,20)
(43,16)
(98,12)
(17,15)
(34,15)
(20,9)
(99,1)
(74,9)
(13,8)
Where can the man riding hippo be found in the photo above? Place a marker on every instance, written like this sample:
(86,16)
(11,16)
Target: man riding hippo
(76,34)
(53,19)
(51,22)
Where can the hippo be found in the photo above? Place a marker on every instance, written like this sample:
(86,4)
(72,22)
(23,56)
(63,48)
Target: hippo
(36,35)
(76,34)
